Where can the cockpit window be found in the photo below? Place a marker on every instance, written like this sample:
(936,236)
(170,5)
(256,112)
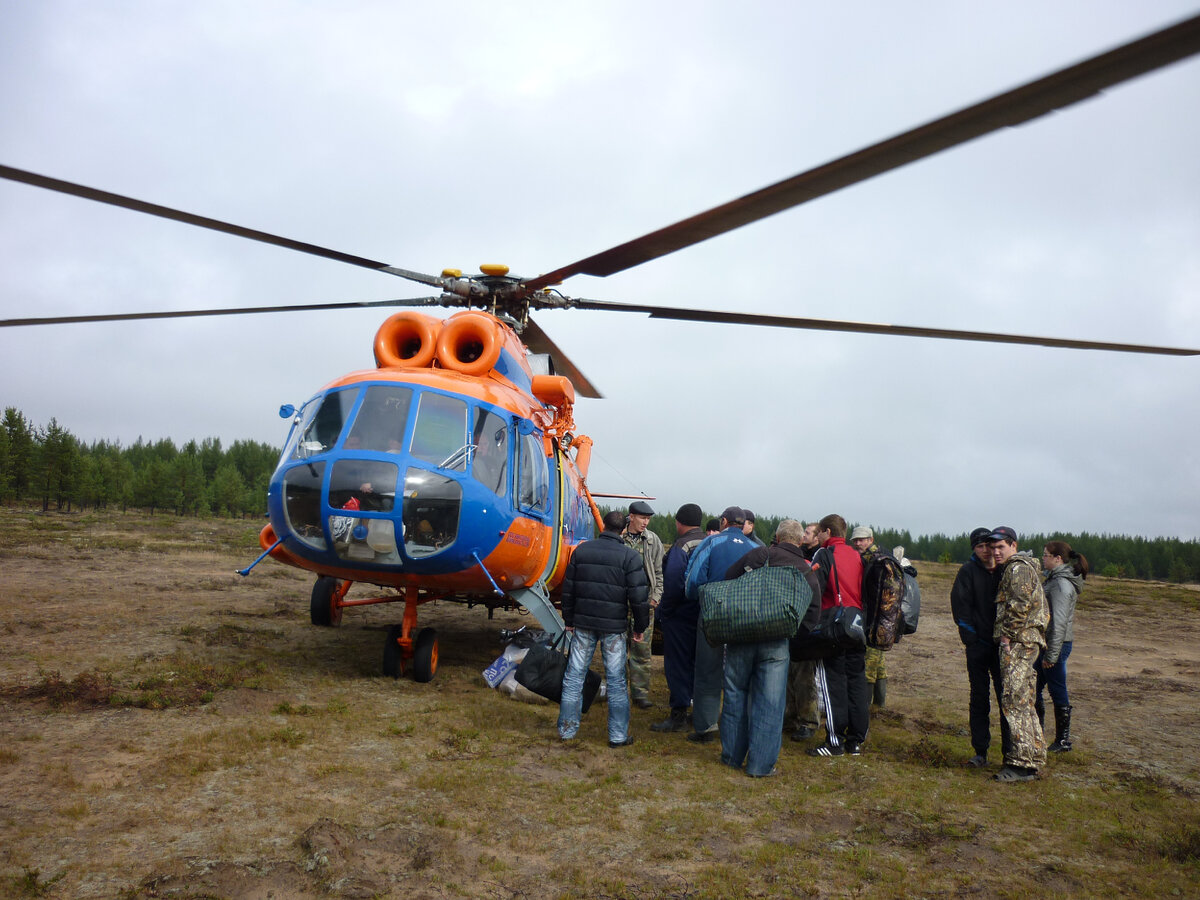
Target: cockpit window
(431,508)
(440,435)
(490,456)
(379,424)
(322,422)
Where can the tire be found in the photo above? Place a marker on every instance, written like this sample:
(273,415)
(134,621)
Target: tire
(321,607)
(393,662)
(425,655)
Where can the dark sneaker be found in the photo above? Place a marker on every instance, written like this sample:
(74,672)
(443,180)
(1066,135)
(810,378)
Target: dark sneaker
(702,737)
(978,761)
(642,702)
(854,748)
(624,743)
(1016,773)
(826,749)
(803,733)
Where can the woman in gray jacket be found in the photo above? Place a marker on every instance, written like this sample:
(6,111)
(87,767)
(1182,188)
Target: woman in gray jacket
(1065,571)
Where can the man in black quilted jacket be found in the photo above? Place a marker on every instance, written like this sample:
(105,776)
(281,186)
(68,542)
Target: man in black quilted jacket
(604,585)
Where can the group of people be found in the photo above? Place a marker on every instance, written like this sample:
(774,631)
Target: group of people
(1016,633)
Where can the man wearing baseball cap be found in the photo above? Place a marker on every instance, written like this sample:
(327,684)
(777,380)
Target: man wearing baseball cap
(973,606)
(679,619)
(638,535)
(1021,619)
(710,561)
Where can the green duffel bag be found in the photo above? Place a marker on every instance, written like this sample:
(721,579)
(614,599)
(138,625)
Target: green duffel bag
(764,604)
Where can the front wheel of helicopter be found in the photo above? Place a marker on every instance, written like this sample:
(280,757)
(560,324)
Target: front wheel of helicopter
(393,660)
(323,608)
(425,655)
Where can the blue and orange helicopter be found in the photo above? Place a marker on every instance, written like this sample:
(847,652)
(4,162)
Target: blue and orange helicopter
(453,469)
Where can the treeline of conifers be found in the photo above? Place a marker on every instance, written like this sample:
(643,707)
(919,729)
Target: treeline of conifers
(1110,555)
(51,466)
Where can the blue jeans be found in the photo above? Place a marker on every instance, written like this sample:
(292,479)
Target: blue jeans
(583,648)
(706,684)
(1054,678)
(756,678)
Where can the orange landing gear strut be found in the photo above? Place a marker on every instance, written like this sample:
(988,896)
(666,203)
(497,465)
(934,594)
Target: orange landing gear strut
(402,651)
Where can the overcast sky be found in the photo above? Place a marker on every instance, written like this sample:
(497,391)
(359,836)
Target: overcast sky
(534,134)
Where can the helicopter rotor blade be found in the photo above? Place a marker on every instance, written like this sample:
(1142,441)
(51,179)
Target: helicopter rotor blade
(166,212)
(731,318)
(233,311)
(539,342)
(1015,107)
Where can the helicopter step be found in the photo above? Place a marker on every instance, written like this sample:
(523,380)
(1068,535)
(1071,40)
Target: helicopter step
(536,599)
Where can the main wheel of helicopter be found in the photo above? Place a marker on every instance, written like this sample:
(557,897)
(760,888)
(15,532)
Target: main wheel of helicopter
(425,655)
(324,611)
(393,660)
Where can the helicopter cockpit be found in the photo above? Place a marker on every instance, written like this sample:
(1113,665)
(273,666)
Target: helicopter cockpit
(380,442)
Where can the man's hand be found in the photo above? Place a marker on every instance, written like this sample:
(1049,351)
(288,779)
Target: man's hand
(638,637)
(570,629)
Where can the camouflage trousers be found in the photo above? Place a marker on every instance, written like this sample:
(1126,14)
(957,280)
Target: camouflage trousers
(1018,690)
(876,668)
(639,663)
(801,707)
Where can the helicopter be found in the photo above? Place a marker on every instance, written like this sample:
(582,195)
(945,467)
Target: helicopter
(453,470)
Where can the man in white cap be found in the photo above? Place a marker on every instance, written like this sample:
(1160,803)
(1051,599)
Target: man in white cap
(638,535)
(863,539)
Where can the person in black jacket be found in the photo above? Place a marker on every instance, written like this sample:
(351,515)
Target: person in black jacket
(973,605)
(605,583)
(756,674)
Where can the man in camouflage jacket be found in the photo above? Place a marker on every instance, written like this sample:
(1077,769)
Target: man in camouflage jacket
(1021,619)
(649,546)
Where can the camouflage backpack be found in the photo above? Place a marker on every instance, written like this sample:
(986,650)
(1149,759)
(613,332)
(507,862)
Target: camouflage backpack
(883,590)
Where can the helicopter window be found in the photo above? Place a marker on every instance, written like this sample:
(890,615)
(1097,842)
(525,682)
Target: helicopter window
(302,503)
(379,424)
(440,435)
(323,421)
(363,484)
(535,482)
(490,459)
(431,508)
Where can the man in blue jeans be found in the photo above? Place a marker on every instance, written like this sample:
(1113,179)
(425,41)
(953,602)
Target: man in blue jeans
(756,675)
(605,584)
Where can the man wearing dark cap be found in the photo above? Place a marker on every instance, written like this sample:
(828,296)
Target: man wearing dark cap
(710,561)
(748,528)
(679,618)
(1022,615)
(649,546)
(973,606)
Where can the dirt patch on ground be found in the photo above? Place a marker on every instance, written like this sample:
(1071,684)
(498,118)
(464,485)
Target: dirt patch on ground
(171,729)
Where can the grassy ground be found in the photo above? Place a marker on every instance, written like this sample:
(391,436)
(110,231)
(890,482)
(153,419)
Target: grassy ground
(170,729)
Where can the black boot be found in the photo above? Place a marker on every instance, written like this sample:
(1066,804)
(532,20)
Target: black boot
(676,721)
(1062,730)
(1040,708)
(880,691)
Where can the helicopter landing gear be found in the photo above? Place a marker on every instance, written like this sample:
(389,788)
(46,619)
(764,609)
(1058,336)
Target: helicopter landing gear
(326,605)
(401,649)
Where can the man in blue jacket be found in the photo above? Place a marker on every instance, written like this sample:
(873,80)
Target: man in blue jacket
(709,562)
(604,585)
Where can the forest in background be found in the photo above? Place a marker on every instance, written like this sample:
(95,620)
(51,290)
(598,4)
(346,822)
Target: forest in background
(51,467)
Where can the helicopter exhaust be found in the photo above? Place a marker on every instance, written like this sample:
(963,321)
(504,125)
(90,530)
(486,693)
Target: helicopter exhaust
(407,340)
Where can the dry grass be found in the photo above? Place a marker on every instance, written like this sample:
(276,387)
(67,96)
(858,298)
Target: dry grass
(172,730)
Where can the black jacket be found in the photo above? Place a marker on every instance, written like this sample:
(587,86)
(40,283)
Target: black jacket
(973,602)
(605,582)
(784,555)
